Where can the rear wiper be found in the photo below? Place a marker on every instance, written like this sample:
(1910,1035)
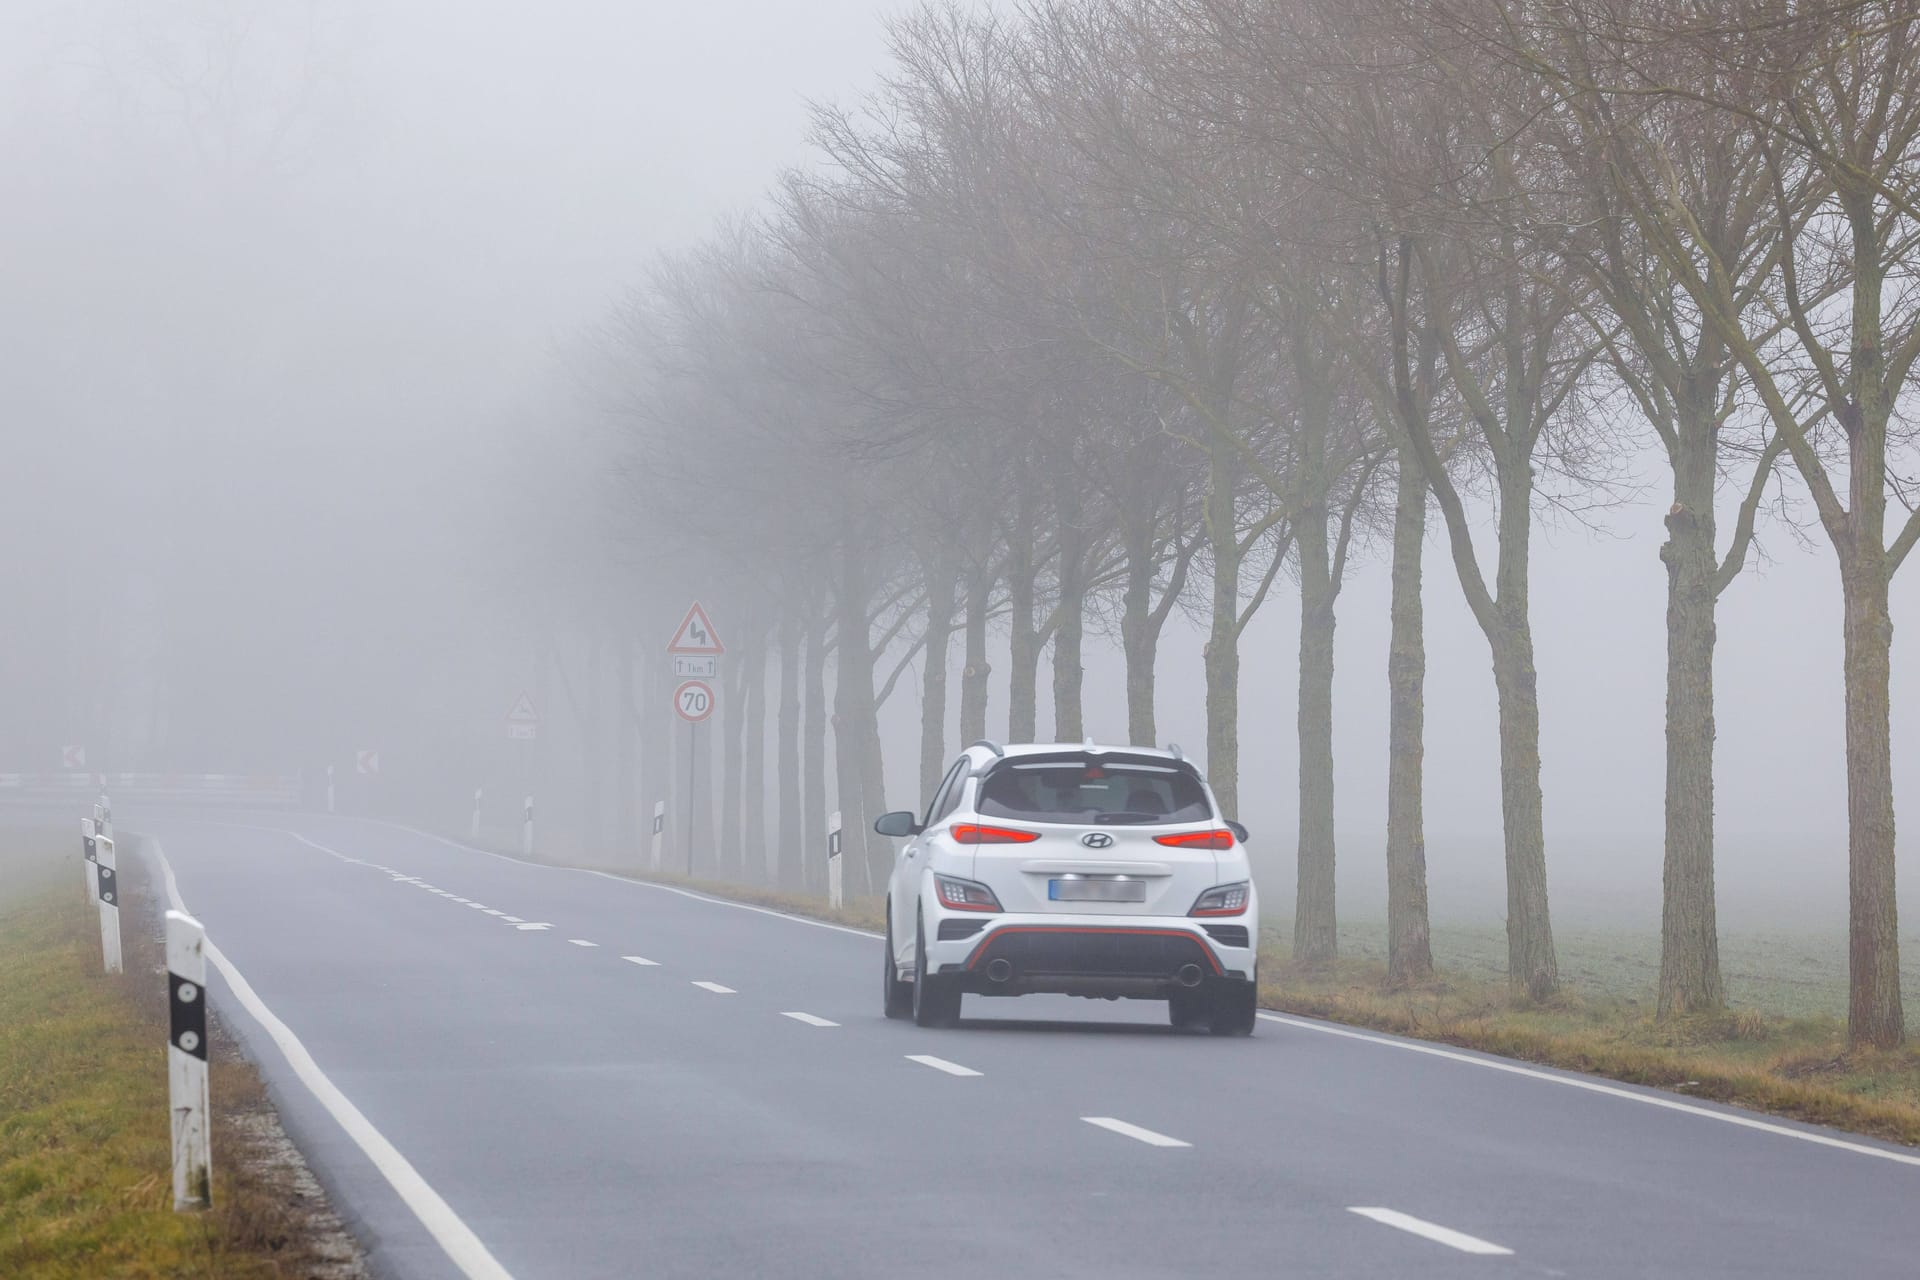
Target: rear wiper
(1123,817)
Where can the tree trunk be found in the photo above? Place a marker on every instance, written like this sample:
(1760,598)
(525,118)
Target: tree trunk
(1874,1013)
(626,779)
(1531,964)
(1139,638)
(973,679)
(1024,642)
(1409,936)
(732,719)
(1315,932)
(1069,724)
(1689,934)
(810,853)
(1223,638)
(933,681)
(789,844)
(855,724)
(753,782)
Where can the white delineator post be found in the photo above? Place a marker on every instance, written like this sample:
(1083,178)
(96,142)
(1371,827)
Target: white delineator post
(187,1062)
(834,895)
(659,830)
(104,816)
(473,829)
(526,828)
(90,861)
(109,905)
(329,788)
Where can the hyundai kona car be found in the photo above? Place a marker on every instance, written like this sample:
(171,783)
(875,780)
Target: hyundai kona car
(1106,872)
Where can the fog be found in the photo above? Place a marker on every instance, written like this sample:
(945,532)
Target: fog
(297,462)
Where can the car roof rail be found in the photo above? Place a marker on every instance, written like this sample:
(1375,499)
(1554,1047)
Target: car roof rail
(1173,749)
(990,745)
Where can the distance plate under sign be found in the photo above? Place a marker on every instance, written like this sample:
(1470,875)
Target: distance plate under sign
(685,666)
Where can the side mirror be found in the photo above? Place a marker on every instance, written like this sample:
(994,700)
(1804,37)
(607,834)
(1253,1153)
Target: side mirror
(897,823)
(1239,832)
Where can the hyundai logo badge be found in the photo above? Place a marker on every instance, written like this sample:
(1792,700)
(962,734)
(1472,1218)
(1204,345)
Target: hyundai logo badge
(1096,839)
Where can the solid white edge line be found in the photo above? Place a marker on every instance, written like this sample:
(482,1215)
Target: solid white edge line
(1433,1231)
(716,988)
(812,1020)
(1134,1131)
(1596,1086)
(641,960)
(459,1242)
(644,884)
(941,1064)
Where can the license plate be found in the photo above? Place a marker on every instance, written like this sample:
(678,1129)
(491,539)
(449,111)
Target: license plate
(1097,890)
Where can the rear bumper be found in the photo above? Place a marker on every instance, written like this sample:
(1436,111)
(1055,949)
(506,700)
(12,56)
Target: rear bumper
(1148,958)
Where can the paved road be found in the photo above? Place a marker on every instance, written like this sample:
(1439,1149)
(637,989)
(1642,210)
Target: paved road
(739,1107)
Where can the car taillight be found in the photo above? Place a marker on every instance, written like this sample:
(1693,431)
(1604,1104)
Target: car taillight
(1221,900)
(974,833)
(1219,839)
(964,895)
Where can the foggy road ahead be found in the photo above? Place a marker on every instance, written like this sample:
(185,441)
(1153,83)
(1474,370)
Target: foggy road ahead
(602,1078)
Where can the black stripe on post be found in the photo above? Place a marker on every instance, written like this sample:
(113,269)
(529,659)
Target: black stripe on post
(108,894)
(187,1010)
(92,851)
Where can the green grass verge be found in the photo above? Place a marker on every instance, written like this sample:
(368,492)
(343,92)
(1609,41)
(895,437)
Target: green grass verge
(85,1177)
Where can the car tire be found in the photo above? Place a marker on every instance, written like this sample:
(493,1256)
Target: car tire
(1234,1009)
(936,1000)
(896,996)
(1188,1008)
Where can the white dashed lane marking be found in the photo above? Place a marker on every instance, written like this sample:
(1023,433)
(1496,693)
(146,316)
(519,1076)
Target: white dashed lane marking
(641,960)
(810,1019)
(582,942)
(1432,1231)
(1134,1131)
(941,1064)
(716,988)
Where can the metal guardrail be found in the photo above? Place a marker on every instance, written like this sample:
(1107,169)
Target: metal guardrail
(257,790)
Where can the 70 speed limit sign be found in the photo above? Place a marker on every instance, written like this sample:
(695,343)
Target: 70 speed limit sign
(693,701)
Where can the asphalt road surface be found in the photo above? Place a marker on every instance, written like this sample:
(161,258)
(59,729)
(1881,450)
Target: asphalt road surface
(501,1069)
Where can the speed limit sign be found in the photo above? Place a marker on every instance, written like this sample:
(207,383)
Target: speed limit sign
(693,701)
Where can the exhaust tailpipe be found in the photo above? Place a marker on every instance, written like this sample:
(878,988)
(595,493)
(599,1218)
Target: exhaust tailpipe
(999,970)
(1188,975)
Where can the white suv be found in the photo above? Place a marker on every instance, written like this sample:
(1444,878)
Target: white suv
(1090,871)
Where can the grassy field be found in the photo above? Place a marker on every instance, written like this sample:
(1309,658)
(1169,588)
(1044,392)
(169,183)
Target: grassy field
(85,1183)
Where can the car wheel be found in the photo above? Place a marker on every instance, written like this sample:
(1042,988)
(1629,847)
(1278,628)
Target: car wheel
(1233,1012)
(936,1000)
(896,996)
(1188,1008)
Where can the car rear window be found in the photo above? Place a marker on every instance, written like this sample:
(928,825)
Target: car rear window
(1089,789)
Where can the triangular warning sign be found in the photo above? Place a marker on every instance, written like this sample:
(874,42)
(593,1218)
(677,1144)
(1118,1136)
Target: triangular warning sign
(696,634)
(523,712)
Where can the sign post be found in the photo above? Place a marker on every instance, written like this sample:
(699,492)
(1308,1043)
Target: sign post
(329,788)
(697,645)
(526,829)
(835,896)
(90,867)
(109,906)
(187,1062)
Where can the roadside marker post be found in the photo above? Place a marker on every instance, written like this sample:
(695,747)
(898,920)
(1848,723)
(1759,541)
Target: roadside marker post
(526,829)
(90,864)
(473,828)
(105,816)
(659,830)
(329,788)
(835,897)
(109,905)
(187,1062)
